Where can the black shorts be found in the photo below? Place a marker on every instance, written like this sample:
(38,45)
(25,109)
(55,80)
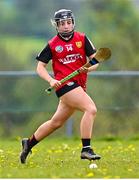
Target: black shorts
(66,88)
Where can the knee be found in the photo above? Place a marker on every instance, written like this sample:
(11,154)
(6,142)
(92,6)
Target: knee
(92,110)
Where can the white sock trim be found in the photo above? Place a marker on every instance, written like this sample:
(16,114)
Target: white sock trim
(86,146)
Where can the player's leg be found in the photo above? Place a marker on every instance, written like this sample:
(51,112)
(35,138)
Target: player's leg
(79,99)
(63,112)
(61,115)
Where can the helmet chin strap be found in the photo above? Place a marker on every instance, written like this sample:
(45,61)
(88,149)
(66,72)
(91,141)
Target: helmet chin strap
(66,34)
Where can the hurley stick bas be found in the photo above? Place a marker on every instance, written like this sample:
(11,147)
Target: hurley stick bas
(101,55)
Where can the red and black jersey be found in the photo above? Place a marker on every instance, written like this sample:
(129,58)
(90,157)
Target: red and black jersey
(68,56)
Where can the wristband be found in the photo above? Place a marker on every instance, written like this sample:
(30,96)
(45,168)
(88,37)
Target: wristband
(93,61)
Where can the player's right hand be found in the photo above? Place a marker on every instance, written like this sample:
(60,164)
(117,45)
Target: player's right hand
(55,83)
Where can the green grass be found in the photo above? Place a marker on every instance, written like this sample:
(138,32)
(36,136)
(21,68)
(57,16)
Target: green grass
(60,158)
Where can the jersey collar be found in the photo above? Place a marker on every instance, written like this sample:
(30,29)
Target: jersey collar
(65,39)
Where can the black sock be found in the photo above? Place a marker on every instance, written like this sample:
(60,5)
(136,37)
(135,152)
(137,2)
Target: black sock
(86,143)
(32,141)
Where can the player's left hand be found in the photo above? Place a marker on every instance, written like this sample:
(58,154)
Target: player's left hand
(83,70)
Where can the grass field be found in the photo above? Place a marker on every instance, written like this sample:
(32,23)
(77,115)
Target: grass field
(60,158)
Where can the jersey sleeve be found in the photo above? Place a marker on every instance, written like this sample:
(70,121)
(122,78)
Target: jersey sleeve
(89,47)
(45,55)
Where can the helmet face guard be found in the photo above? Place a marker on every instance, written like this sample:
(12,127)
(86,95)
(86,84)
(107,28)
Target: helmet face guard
(61,15)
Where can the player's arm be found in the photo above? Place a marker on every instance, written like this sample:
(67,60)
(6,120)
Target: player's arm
(90,52)
(42,71)
(43,59)
(94,67)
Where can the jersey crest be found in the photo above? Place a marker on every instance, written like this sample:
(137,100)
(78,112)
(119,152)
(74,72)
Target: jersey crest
(59,49)
(79,44)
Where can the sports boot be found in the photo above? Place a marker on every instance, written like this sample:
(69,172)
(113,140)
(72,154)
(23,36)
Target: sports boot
(25,150)
(88,153)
